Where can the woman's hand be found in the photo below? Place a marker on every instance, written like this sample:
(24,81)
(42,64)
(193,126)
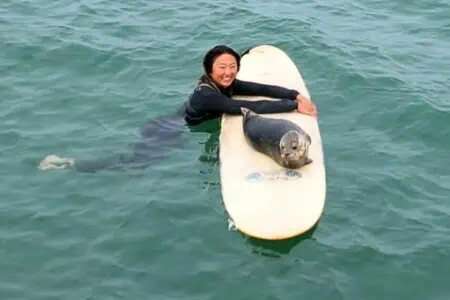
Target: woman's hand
(306,106)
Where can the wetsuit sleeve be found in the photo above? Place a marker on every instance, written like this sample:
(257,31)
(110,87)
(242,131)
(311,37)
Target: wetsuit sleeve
(208,101)
(247,88)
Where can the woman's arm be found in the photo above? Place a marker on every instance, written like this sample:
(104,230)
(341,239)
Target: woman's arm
(208,101)
(305,105)
(247,88)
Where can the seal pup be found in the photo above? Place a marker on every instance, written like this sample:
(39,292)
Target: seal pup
(282,140)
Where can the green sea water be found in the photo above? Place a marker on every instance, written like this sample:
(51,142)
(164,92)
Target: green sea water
(79,78)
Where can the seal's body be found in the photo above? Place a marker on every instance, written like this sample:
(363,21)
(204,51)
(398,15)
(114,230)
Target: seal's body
(282,140)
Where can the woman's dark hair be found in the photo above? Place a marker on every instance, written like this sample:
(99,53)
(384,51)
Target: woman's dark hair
(212,54)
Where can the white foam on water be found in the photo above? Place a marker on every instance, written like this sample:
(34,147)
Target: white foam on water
(231,226)
(55,162)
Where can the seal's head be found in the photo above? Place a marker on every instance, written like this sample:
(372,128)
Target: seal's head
(294,149)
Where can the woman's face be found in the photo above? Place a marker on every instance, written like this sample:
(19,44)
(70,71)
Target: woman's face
(224,70)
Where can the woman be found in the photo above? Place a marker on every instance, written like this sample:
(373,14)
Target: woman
(210,100)
(213,95)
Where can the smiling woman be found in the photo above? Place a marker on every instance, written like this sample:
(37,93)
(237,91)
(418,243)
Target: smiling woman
(213,94)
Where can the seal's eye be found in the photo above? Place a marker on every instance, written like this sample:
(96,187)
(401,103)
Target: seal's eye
(282,147)
(294,147)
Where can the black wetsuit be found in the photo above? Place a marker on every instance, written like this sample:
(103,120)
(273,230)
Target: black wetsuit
(158,137)
(209,101)
(161,135)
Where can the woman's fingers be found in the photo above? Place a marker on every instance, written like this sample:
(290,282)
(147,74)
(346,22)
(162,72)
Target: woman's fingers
(307,108)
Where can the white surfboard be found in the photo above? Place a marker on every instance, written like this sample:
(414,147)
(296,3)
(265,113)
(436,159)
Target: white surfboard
(263,199)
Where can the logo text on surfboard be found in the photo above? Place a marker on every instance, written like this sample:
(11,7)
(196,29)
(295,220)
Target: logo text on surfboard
(277,175)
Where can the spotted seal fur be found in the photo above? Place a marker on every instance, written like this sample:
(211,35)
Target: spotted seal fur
(284,141)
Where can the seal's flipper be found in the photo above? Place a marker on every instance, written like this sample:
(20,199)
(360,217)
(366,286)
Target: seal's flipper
(244,110)
(248,112)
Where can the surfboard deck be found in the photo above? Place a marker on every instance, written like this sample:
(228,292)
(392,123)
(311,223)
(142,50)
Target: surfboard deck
(263,199)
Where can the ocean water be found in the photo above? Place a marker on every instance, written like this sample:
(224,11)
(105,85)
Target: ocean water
(79,79)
